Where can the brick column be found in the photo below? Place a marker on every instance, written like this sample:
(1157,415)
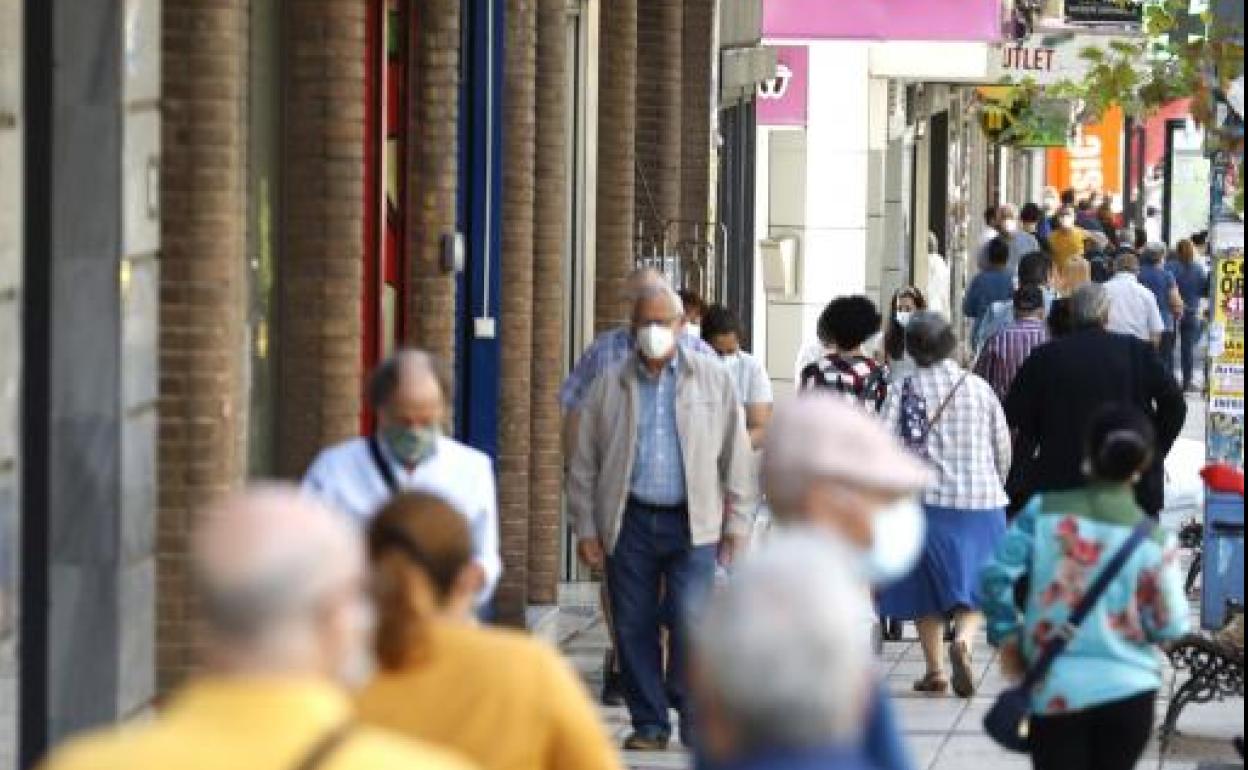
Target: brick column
(515,393)
(696,54)
(617,124)
(660,25)
(204,86)
(433,176)
(550,243)
(321,284)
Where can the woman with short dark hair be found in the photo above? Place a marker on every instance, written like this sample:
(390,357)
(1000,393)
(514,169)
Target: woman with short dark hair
(845,325)
(954,419)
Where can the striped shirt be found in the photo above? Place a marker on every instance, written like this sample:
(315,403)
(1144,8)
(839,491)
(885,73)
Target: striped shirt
(1004,353)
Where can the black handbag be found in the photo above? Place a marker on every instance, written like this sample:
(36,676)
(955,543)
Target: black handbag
(1008,722)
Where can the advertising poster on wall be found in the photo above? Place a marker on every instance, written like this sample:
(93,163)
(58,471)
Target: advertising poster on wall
(1092,161)
(1226,358)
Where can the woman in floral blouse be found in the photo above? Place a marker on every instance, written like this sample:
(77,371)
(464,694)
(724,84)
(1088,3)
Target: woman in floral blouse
(1094,711)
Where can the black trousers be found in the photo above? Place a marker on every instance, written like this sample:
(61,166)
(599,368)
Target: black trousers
(1109,737)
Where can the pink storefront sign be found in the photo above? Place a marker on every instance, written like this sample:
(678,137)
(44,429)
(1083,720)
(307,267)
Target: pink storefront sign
(782,100)
(969,20)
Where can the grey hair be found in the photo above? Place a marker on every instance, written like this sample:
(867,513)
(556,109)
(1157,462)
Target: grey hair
(929,338)
(781,650)
(1154,253)
(389,374)
(1089,305)
(663,290)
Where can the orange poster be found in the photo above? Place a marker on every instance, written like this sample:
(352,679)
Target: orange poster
(1092,162)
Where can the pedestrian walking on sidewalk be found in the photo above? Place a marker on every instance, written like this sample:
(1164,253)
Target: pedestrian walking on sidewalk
(500,698)
(661,487)
(1006,351)
(953,418)
(721,329)
(1067,240)
(1019,238)
(782,682)
(831,468)
(1133,309)
(1154,277)
(1063,384)
(1193,282)
(284,619)
(1035,269)
(1094,710)
(409,452)
(995,284)
(849,322)
(905,303)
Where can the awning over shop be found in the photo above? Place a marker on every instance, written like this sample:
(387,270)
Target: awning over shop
(968,20)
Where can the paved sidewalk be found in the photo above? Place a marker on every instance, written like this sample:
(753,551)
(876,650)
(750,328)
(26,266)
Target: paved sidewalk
(944,733)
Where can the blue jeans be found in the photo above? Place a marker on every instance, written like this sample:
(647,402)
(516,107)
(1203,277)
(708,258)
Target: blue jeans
(655,548)
(1189,335)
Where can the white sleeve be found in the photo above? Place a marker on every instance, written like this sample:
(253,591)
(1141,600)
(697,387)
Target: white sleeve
(759,391)
(1155,324)
(485,538)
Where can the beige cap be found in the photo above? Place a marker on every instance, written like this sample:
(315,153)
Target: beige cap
(827,436)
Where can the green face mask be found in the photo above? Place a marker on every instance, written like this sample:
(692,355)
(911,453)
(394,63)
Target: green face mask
(411,445)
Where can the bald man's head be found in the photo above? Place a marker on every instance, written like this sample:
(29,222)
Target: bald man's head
(406,390)
(279,577)
(643,279)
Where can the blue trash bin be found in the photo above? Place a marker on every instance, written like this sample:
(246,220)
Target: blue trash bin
(1222,577)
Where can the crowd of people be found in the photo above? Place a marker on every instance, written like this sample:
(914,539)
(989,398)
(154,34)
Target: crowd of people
(345,622)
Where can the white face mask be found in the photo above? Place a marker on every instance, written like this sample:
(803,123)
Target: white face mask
(655,341)
(693,330)
(903,317)
(1010,226)
(1066,222)
(898,532)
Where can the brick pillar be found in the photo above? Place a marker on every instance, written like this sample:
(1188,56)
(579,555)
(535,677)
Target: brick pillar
(433,176)
(321,286)
(515,393)
(550,243)
(204,90)
(696,53)
(617,123)
(660,25)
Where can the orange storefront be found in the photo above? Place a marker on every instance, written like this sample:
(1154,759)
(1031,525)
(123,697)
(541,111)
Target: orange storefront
(1093,160)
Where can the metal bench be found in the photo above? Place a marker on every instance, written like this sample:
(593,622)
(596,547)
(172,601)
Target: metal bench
(1215,672)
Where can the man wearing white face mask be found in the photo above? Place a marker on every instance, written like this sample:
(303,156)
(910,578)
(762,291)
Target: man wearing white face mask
(1020,241)
(661,487)
(830,467)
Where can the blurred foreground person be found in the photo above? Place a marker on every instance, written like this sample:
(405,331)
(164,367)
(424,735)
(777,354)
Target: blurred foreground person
(410,452)
(1094,708)
(1064,383)
(500,698)
(952,418)
(285,623)
(831,467)
(782,681)
(661,487)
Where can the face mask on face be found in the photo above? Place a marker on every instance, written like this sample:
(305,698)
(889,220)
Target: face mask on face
(656,341)
(903,317)
(1010,226)
(411,445)
(898,531)
(693,329)
(1066,222)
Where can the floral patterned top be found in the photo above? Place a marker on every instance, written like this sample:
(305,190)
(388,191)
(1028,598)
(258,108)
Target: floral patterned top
(1060,542)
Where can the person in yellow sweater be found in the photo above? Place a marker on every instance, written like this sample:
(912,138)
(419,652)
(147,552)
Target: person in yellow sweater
(499,698)
(285,620)
(1067,240)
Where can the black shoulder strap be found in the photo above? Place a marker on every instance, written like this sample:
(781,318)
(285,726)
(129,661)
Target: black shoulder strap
(1066,633)
(324,748)
(383,467)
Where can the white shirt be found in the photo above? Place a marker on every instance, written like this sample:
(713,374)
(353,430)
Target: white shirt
(748,374)
(345,477)
(939,280)
(1133,308)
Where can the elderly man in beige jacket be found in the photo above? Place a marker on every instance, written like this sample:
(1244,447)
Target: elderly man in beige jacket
(661,486)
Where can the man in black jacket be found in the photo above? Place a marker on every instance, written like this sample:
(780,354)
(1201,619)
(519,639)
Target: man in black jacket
(1062,386)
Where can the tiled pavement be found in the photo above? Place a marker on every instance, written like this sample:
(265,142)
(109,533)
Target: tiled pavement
(944,733)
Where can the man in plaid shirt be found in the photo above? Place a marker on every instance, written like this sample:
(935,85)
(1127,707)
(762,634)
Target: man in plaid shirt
(1004,352)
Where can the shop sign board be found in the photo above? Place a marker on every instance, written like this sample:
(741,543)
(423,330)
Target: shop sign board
(1045,59)
(968,20)
(1226,358)
(782,100)
(1092,161)
(1105,12)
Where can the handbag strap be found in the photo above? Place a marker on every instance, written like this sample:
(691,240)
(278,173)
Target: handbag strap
(383,467)
(1066,632)
(944,405)
(325,747)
